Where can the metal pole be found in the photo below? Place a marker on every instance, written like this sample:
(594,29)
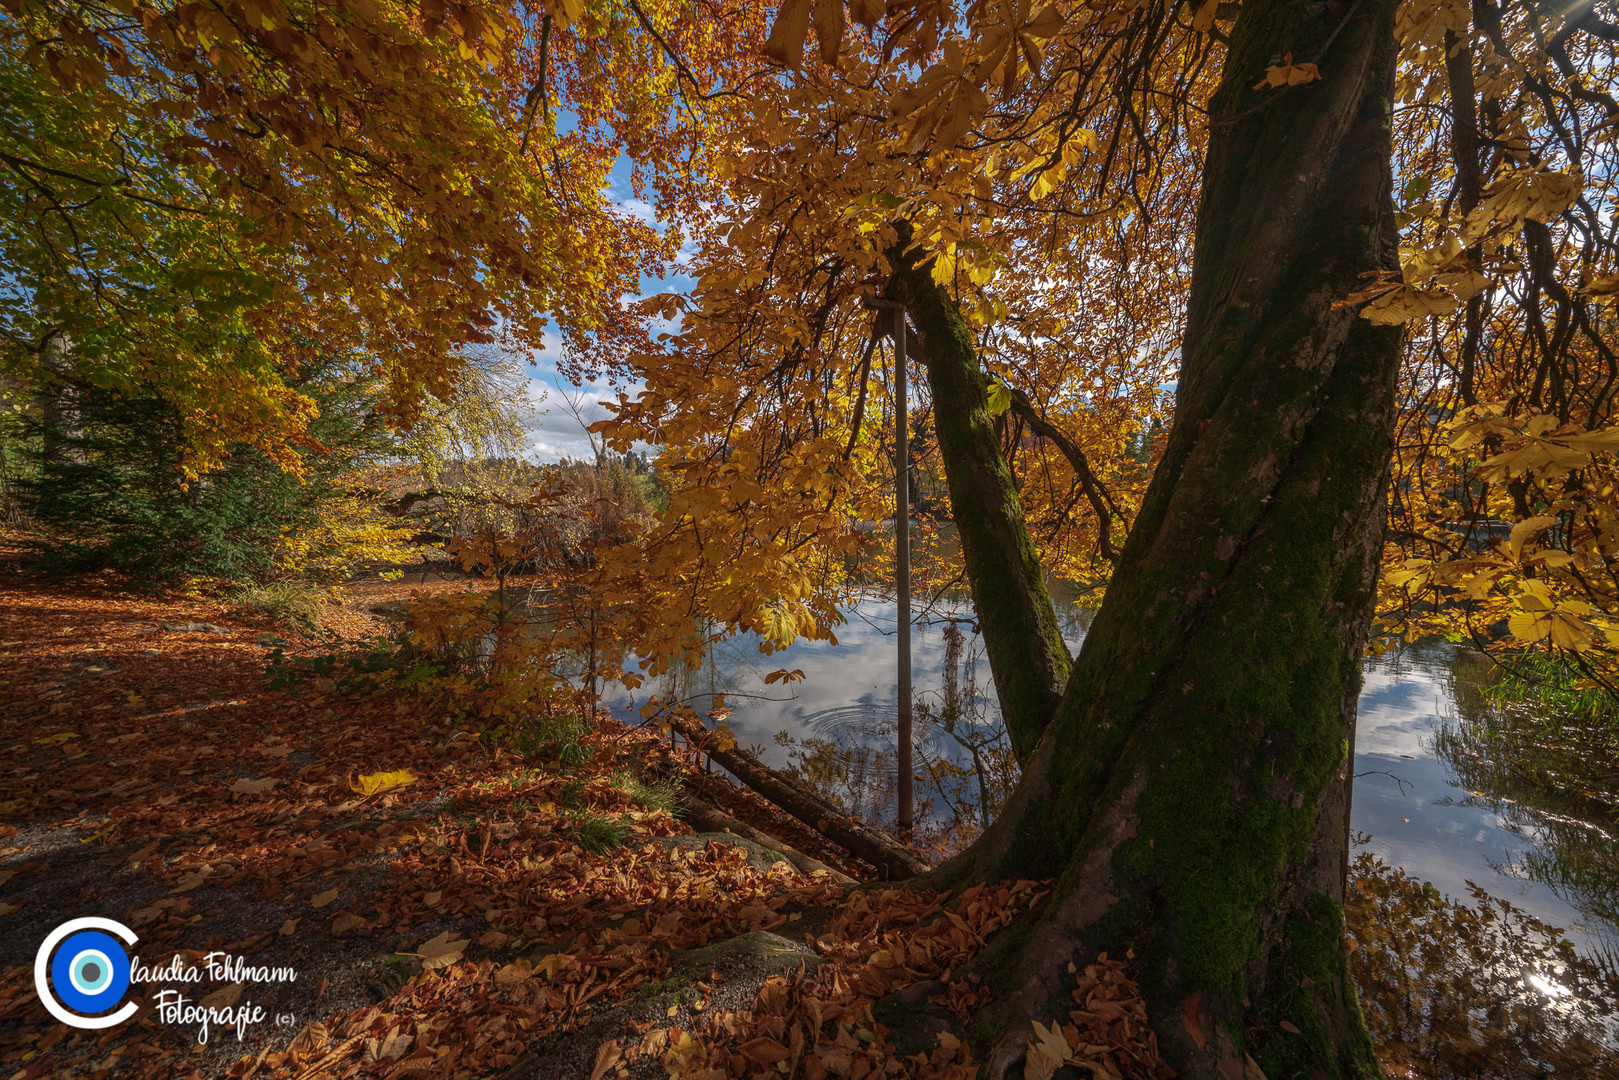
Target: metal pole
(902,549)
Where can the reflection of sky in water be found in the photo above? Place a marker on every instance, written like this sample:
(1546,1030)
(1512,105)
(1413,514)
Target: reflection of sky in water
(1426,827)
(1445,840)
(852,680)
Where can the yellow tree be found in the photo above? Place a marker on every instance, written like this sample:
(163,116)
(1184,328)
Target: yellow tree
(1503,503)
(197,194)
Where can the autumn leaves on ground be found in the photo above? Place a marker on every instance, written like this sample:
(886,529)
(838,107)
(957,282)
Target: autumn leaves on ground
(450,906)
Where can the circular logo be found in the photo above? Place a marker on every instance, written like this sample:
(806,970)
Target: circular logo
(82,967)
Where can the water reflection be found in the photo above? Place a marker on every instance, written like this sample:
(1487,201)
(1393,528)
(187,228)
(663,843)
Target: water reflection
(1449,787)
(1455,789)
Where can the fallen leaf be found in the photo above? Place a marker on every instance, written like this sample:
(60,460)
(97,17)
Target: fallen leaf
(192,880)
(289,927)
(441,951)
(321,899)
(431,899)
(607,1054)
(550,965)
(346,922)
(389,1048)
(254,787)
(764,1051)
(376,783)
(515,972)
(1045,1054)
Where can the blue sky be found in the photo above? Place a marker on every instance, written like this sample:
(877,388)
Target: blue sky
(554,431)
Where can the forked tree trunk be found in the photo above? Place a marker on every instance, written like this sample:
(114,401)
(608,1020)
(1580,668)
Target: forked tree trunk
(1190,795)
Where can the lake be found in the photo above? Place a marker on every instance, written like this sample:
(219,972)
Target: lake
(1443,790)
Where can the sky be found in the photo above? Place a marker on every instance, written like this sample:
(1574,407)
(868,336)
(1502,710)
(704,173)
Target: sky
(562,411)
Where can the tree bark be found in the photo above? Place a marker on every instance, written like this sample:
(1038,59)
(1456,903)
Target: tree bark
(1190,796)
(1027,656)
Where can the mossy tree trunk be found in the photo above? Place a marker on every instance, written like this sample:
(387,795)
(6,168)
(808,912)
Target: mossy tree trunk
(1027,656)
(1190,795)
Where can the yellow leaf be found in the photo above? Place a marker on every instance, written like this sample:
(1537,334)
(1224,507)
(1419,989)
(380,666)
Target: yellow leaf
(1404,303)
(1287,73)
(1568,632)
(376,783)
(1046,1053)
(1528,626)
(550,965)
(1525,530)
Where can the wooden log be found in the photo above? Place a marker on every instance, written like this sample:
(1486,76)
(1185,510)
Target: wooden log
(706,816)
(891,858)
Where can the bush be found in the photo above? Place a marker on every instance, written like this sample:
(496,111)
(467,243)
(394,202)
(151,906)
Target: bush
(108,484)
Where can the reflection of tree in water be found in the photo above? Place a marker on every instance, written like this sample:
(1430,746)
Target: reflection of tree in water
(1547,784)
(965,767)
(1474,991)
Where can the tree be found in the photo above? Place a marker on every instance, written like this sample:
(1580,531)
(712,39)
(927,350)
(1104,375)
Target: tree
(1186,782)
(395,177)
(1190,795)
(109,492)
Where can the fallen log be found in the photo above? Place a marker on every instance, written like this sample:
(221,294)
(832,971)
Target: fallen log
(706,816)
(892,859)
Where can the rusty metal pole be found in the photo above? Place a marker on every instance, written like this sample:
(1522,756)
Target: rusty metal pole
(902,572)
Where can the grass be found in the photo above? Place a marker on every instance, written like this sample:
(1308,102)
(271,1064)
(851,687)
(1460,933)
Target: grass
(559,739)
(599,834)
(284,603)
(664,795)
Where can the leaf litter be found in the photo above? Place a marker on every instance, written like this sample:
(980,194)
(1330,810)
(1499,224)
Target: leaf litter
(430,892)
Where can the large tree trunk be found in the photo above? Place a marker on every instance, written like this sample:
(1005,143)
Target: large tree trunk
(1190,795)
